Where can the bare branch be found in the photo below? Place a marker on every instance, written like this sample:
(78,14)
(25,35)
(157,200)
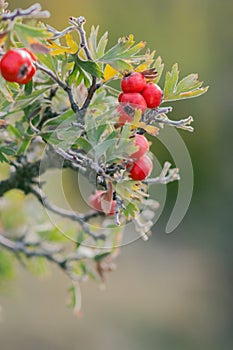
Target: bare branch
(159,115)
(78,23)
(31,251)
(33,11)
(80,218)
(64,86)
(167,175)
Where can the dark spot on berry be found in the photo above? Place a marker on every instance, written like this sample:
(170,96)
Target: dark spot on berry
(23,71)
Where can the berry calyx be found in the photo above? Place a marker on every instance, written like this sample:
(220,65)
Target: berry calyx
(17,66)
(135,82)
(135,100)
(143,146)
(96,201)
(141,169)
(153,95)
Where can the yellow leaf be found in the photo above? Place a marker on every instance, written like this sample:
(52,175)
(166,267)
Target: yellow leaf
(137,124)
(109,73)
(56,49)
(71,43)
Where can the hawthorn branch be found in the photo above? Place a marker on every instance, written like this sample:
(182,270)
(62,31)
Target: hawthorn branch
(33,11)
(23,178)
(159,115)
(63,85)
(167,175)
(78,23)
(80,218)
(49,252)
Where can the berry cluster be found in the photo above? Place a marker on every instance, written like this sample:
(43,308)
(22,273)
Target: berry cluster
(137,93)
(141,165)
(17,65)
(141,95)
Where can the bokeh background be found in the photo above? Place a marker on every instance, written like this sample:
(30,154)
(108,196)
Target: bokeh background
(174,291)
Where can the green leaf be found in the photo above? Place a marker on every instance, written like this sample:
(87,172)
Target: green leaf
(159,66)
(188,87)
(131,210)
(122,55)
(97,49)
(90,67)
(3,159)
(82,143)
(9,151)
(171,81)
(101,256)
(94,131)
(28,88)
(5,90)
(64,117)
(25,32)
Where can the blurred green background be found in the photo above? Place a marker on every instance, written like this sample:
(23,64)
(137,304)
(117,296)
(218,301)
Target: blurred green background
(175,291)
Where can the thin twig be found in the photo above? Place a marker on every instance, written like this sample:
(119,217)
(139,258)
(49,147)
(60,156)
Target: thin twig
(159,115)
(33,11)
(30,252)
(63,85)
(78,23)
(167,175)
(80,218)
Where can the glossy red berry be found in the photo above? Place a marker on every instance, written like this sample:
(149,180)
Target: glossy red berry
(17,66)
(33,57)
(141,168)
(153,95)
(97,202)
(135,82)
(120,96)
(135,100)
(143,146)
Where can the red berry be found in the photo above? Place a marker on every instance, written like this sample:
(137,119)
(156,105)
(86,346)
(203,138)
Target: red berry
(153,95)
(120,96)
(97,202)
(135,100)
(135,82)
(143,146)
(141,168)
(17,66)
(124,117)
(33,57)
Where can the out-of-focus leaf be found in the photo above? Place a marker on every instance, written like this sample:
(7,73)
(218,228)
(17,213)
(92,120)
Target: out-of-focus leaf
(5,90)
(76,298)
(101,256)
(131,210)
(25,33)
